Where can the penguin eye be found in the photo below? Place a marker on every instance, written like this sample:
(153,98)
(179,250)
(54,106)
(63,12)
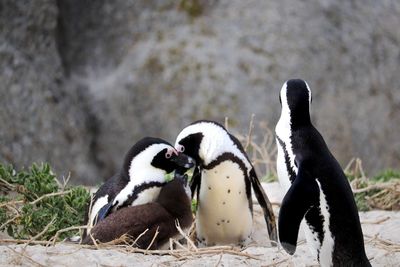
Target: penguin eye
(168,154)
(181,148)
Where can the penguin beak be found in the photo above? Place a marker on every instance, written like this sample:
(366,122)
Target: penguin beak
(183,160)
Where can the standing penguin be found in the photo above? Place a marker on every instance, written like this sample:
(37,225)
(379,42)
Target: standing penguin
(140,179)
(318,189)
(150,224)
(222,179)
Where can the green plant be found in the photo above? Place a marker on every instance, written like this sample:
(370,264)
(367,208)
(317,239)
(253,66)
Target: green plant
(194,205)
(386,176)
(378,192)
(35,204)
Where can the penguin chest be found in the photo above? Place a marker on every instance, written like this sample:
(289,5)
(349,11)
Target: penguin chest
(223,215)
(147,196)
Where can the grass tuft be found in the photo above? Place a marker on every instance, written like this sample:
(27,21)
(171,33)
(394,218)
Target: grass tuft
(33,201)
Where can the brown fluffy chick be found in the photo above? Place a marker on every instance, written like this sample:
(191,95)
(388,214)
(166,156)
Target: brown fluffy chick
(173,203)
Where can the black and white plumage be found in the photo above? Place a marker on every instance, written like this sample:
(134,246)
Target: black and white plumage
(140,179)
(222,179)
(316,186)
(141,222)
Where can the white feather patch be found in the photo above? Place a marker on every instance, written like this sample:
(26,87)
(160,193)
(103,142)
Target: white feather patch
(283,131)
(325,253)
(147,196)
(141,171)
(216,142)
(223,215)
(100,202)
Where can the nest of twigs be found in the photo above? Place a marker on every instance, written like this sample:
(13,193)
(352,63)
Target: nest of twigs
(379,192)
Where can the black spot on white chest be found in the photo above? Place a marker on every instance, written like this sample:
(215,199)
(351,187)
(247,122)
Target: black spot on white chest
(221,204)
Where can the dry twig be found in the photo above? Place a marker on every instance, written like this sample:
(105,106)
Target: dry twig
(190,242)
(50,195)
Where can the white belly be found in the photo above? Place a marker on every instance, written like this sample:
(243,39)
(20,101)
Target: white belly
(223,215)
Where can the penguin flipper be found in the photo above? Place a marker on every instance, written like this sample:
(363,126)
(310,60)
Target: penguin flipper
(195,182)
(265,205)
(301,196)
(104,211)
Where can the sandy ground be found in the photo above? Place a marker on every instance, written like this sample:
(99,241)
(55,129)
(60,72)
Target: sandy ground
(381,234)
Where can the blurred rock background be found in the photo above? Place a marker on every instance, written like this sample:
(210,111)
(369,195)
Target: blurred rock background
(81,80)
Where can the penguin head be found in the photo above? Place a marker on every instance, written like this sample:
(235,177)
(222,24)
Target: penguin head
(206,140)
(295,97)
(151,153)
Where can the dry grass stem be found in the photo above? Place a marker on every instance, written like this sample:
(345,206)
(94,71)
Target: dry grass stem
(263,155)
(23,241)
(249,134)
(6,184)
(137,238)
(11,203)
(154,238)
(379,221)
(53,240)
(384,244)
(8,221)
(189,241)
(387,185)
(50,195)
(355,167)
(45,229)
(383,195)
(219,260)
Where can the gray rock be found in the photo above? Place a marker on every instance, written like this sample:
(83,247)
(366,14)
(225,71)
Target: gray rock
(151,67)
(42,118)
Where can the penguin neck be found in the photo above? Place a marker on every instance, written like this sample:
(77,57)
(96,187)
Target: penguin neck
(293,119)
(218,144)
(300,119)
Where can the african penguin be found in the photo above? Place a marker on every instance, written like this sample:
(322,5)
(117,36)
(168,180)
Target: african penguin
(173,203)
(140,179)
(222,180)
(317,188)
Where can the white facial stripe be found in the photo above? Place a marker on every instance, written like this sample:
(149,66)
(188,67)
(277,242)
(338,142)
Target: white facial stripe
(216,141)
(285,105)
(325,253)
(283,129)
(141,171)
(309,92)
